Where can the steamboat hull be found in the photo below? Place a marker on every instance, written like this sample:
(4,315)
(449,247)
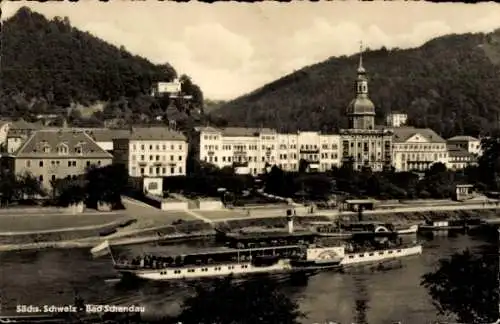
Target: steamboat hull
(353,259)
(208,272)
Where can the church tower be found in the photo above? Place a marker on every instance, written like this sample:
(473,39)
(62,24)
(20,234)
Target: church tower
(361,110)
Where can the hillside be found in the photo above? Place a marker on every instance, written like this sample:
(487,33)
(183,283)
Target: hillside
(48,66)
(449,84)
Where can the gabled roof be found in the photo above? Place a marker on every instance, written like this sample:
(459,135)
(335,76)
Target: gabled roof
(52,139)
(155,134)
(462,138)
(403,134)
(108,135)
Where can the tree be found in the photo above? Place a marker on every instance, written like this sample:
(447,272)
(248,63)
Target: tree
(465,285)
(9,187)
(226,302)
(69,191)
(489,161)
(30,187)
(106,185)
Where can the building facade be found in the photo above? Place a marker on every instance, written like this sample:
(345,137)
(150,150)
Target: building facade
(19,131)
(253,150)
(57,154)
(468,143)
(152,152)
(396,119)
(364,144)
(417,149)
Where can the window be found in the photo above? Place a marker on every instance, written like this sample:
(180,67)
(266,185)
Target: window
(62,149)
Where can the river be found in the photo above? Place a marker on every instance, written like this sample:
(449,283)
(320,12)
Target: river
(52,276)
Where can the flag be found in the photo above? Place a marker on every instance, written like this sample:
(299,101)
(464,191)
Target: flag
(100,250)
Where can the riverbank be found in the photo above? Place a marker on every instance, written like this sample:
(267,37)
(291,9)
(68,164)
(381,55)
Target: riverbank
(193,230)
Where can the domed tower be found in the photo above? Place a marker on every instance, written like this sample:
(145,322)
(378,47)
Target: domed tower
(361,110)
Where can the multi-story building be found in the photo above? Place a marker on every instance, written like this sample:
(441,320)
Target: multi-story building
(151,154)
(249,150)
(467,143)
(19,131)
(253,150)
(4,131)
(396,119)
(57,154)
(364,144)
(460,159)
(417,148)
(104,136)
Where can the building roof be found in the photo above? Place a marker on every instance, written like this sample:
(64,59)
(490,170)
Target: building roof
(45,144)
(462,138)
(403,134)
(108,135)
(155,134)
(237,131)
(361,106)
(455,153)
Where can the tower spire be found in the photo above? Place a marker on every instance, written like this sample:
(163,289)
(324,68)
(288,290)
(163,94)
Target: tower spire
(361,69)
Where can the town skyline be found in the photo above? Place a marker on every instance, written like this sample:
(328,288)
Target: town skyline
(242,56)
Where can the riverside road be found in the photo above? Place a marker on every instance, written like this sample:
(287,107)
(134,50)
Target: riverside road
(51,277)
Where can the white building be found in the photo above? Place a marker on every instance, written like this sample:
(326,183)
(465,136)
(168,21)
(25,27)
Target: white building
(417,149)
(396,119)
(252,150)
(152,153)
(467,143)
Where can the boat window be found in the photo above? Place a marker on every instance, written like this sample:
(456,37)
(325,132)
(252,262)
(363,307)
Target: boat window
(399,251)
(370,254)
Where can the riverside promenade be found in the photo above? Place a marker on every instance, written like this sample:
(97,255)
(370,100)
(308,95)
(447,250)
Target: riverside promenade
(151,221)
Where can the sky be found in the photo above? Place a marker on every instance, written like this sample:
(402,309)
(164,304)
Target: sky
(230,49)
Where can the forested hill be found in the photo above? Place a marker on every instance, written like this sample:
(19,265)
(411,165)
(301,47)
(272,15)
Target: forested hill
(48,66)
(450,84)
